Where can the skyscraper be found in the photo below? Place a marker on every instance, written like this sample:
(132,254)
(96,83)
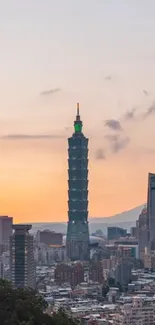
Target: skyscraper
(142,226)
(5,229)
(151,210)
(22,264)
(77,232)
(5,233)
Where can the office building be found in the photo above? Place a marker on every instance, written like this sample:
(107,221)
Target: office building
(49,238)
(151,210)
(142,226)
(22,264)
(1,269)
(134,232)
(5,229)
(149,260)
(47,255)
(123,273)
(69,273)
(77,243)
(132,241)
(96,272)
(116,232)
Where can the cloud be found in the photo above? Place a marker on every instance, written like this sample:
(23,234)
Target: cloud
(145,92)
(150,110)
(113,124)
(108,78)
(50,91)
(112,137)
(130,115)
(120,144)
(100,154)
(31,136)
(67,128)
(115,145)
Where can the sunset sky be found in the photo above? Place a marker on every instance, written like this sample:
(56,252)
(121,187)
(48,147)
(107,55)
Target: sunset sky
(53,54)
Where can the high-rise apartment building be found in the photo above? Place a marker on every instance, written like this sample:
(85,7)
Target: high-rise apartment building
(5,229)
(22,264)
(151,210)
(77,232)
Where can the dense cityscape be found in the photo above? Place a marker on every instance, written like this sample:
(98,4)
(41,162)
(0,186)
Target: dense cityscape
(96,279)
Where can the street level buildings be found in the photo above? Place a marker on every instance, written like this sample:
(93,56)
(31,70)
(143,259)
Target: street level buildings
(69,273)
(134,311)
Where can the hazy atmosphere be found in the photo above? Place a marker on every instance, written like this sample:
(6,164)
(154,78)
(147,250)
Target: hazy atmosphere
(53,55)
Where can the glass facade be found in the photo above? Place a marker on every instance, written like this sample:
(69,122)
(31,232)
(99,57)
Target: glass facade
(77,232)
(22,264)
(19,243)
(151,209)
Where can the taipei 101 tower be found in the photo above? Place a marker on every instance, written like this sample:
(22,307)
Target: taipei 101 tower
(77,242)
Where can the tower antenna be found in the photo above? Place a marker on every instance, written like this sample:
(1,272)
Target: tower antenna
(78,109)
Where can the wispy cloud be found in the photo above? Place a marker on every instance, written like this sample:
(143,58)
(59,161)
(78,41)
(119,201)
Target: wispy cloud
(145,92)
(113,124)
(31,136)
(150,110)
(120,144)
(108,77)
(50,91)
(100,154)
(112,137)
(130,115)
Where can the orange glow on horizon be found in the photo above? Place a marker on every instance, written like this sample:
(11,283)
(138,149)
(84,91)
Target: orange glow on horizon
(36,190)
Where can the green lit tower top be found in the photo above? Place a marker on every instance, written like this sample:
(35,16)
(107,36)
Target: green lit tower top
(78,122)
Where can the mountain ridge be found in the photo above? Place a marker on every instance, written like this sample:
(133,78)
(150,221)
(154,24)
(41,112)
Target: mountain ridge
(126,219)
(125,216)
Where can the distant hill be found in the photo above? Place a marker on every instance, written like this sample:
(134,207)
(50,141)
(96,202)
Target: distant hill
(126,219)
(126,216)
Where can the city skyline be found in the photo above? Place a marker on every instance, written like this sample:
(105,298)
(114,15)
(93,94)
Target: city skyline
(53,55)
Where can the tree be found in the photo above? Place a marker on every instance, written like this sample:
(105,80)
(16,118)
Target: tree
(26,307)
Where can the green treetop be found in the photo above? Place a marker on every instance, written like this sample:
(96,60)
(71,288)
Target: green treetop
(26,307)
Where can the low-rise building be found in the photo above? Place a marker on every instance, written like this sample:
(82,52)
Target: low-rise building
(135,311)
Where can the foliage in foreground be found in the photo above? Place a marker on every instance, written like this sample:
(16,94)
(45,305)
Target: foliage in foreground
(25,307)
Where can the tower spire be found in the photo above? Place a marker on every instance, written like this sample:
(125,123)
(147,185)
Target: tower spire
(78,122)
(78,113)
(78,109)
